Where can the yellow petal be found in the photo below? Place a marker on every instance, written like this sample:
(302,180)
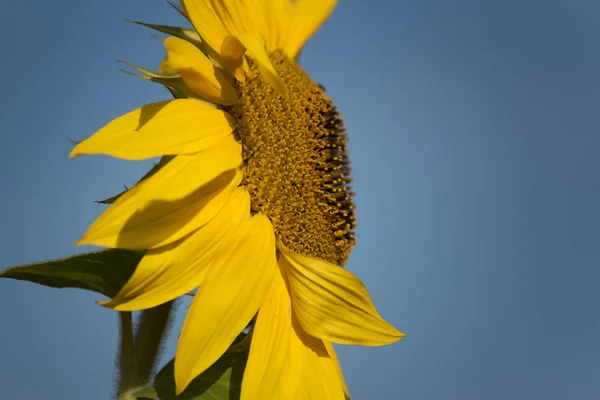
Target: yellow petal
(164,67)
(232,57)
(285,362)
(181,126)
(138,225)
(338,368)
(170,271)
(184,174)
(207,22)
(306,18)
(230,296)
(319,375)
(217,21)
(333,304)
(236,15)
(255,48)
(198,72)
(275,361)
(276,14)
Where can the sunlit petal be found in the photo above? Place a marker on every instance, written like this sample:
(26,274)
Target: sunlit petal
(255,49)
(198,72)
(333,304)
(306,18)
(207,22)
(275,362)
(336,363)
(181,126)
(229,297)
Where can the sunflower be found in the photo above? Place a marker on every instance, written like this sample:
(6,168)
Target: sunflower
(251,205)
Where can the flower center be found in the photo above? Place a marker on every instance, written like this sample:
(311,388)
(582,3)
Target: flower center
(296,165)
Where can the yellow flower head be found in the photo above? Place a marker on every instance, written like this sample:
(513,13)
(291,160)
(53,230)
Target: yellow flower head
(252,205)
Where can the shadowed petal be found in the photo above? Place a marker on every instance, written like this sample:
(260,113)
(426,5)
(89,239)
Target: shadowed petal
(140,225)
(184,174)
(170,271)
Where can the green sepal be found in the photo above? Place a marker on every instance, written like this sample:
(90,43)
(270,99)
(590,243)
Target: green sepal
(164,78)
(222,381)
(179,9)
(104,271)
(170,79)
(187,34)
(190,35)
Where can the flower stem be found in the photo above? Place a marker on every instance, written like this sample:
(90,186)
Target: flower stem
(126,352)
(139,351)
(148,341)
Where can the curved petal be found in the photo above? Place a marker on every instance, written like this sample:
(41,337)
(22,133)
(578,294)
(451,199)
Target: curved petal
(131,224)
(333,304)
(198,72)
(274,369)
(170,271)
(306,18)
(284,362)
(255,49)
(207,22)
(233,290)
(181,126)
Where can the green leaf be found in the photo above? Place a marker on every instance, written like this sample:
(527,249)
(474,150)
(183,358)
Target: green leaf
(104,271)
(222,381)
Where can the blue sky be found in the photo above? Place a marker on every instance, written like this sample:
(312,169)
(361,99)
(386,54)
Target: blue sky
(474,140)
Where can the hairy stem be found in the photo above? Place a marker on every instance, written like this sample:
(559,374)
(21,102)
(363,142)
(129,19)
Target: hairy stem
(149,337)
(126,352)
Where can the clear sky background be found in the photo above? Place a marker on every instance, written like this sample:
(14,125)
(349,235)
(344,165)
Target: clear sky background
(474,131)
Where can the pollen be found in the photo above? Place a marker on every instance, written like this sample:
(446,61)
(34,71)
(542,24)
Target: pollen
(296,164)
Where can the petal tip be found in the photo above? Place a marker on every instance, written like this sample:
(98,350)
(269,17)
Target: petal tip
(106,304)
(280,86)
(118,303)
(89,240)
(400,335)
(179,389)
(394,336)
(75,152)
(181,380)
